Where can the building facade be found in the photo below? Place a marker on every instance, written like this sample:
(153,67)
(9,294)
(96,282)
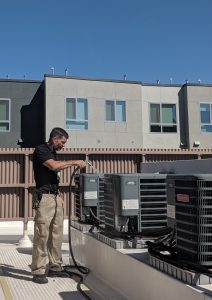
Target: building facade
(21,112)
(106,113)
(199,115)
(96,113)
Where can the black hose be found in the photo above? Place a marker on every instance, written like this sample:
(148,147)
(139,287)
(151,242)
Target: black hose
(68,268)
(95,217)
(145,233)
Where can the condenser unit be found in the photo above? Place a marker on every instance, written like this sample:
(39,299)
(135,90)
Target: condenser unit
(121,201)
(89,196)
(134,202)
(193,201)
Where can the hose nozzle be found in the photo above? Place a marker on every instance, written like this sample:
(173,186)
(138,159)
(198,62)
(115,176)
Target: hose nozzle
(90,164)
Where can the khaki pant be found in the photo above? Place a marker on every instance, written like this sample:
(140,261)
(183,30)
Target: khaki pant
(48,235)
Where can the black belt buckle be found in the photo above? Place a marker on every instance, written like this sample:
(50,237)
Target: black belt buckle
(54,192)
(54,189)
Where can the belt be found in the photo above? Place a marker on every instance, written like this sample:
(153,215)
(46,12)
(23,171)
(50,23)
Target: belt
(49,189)
(50,192)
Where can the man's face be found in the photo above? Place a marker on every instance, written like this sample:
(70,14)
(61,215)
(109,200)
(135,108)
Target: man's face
(59,142)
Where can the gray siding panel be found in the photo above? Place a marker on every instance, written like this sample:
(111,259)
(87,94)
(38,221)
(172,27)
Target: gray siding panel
(21,93)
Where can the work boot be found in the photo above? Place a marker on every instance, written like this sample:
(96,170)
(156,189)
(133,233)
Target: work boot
(41,279)
(61,273)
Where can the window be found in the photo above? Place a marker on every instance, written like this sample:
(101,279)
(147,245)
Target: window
(163,117)
(76,113)
(4,115)
(116,110)
(206,117)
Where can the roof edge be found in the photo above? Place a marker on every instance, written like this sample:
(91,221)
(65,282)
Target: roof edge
(92,79)
(20,80)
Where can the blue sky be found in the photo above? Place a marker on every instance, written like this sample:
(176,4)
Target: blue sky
(145,39)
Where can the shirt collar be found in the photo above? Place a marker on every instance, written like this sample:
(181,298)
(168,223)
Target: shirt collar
(51,148)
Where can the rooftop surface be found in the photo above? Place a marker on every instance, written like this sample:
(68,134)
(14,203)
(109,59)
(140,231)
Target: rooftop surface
(16,279)
(116,274)
(15,273)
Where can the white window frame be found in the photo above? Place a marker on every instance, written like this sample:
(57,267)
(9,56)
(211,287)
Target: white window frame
(115,101)
(161,124)
(77,120)
(9,121)
(205,132)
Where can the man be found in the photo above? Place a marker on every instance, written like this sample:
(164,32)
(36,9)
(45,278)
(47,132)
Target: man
(48,226)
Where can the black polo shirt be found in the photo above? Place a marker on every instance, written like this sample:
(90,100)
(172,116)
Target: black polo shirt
(44,177)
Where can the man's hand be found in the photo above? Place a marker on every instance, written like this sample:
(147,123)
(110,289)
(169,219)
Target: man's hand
(80,163)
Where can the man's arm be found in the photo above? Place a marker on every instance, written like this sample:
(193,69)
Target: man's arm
(57,165)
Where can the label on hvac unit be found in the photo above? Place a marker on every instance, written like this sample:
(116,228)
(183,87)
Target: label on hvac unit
(90,195)
(130,204)
(183,198)
(171,211)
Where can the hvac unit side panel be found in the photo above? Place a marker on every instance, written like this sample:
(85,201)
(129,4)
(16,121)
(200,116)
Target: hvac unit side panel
(153,201)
